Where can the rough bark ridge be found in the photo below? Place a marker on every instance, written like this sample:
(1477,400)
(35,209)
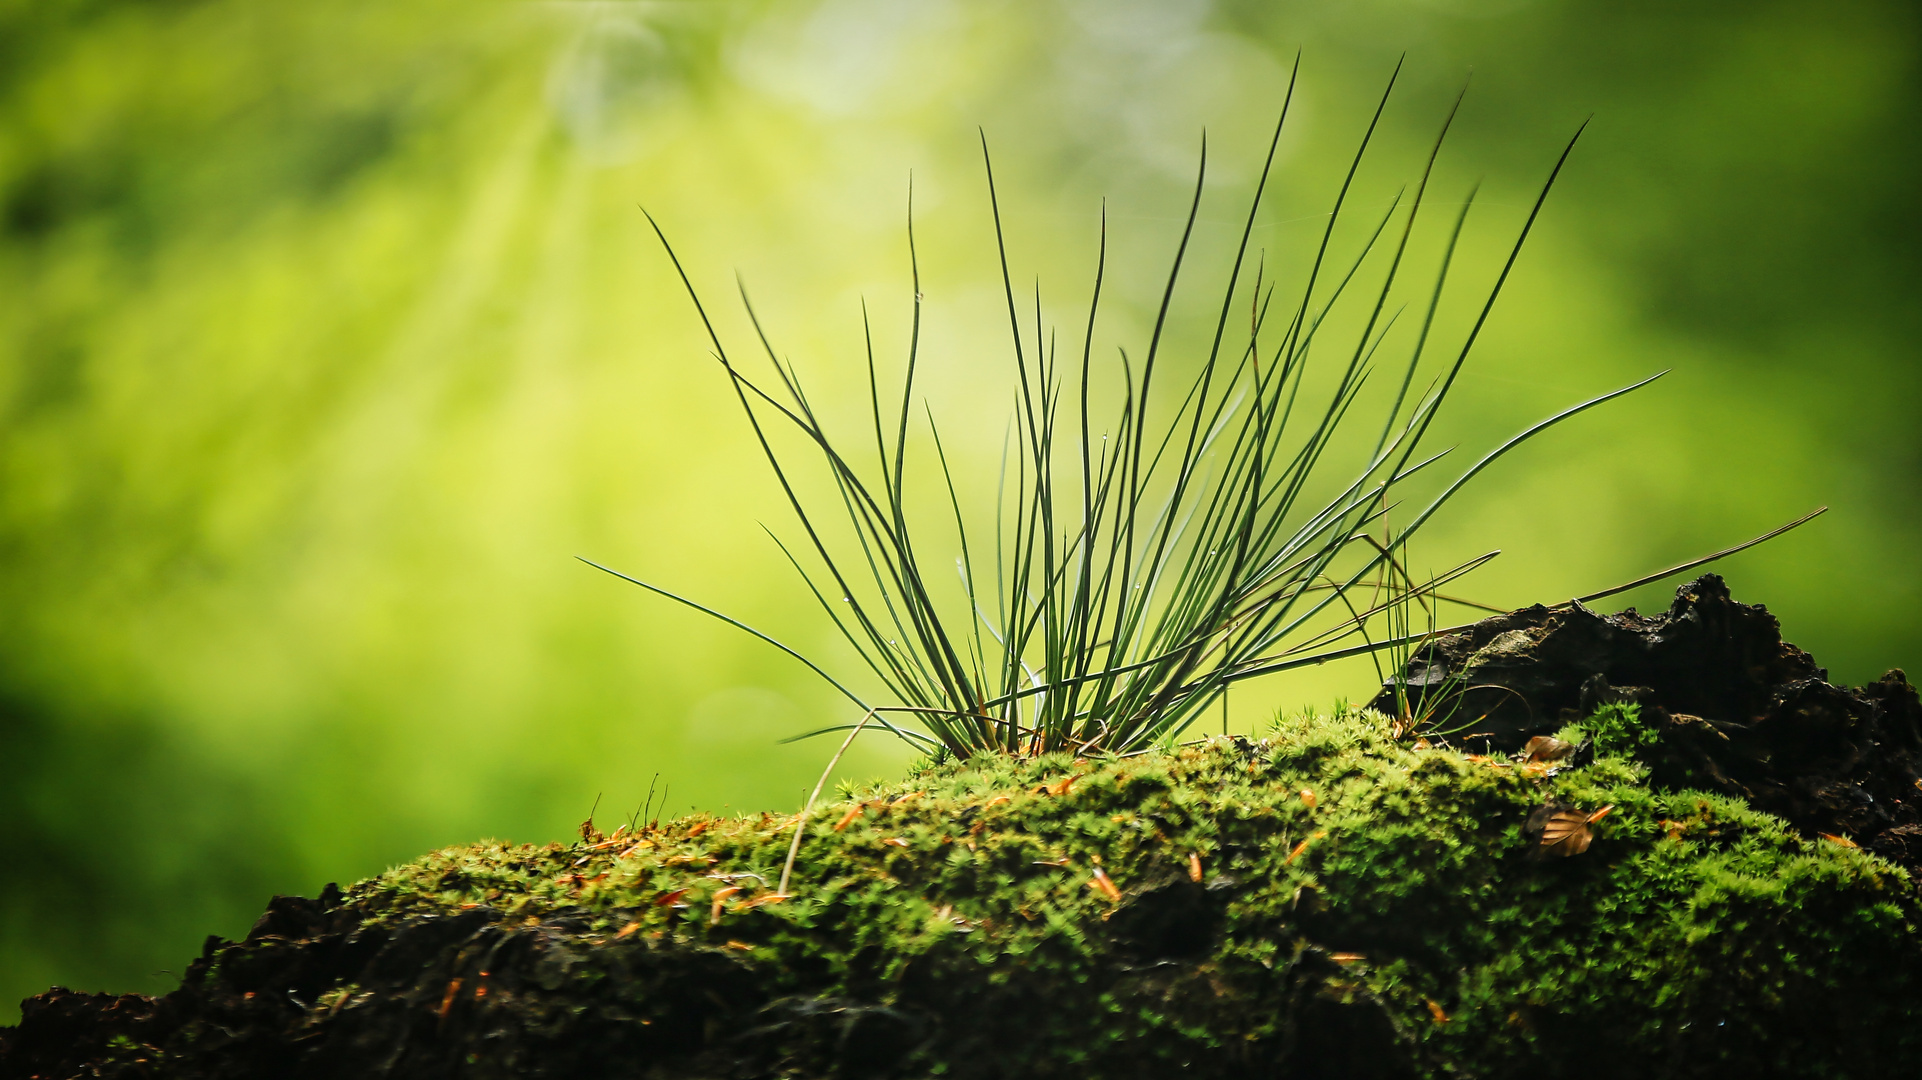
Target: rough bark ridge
(1726,703)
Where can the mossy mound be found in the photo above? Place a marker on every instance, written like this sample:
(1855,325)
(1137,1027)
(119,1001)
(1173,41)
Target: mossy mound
(1363,908)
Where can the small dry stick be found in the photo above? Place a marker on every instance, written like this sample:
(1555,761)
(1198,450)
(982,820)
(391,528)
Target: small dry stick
(801,822)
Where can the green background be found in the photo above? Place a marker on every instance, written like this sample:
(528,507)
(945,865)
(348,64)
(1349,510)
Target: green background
(331,333)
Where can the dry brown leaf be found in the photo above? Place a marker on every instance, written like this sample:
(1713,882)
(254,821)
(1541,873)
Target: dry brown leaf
(1301,847)
(720,899)
(1101,884)
(1544,748)
(1565,830)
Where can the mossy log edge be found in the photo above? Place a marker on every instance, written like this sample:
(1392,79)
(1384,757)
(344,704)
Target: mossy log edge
(1363,908)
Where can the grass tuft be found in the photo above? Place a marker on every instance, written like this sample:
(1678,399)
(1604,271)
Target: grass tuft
(1211,529)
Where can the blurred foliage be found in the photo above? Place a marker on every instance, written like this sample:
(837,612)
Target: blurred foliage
(331,333)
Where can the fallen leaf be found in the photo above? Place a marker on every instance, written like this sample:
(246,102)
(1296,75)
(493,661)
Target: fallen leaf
(770,898)
(740,946)
(1194,868)
(1561,829)
(668,898)
(1435,1011)
(851,815)
(1347,957)
(1308,798)
(897,842)
(1301,847)
(626,930)
(1101,884)
(1840,840)
(1544,748)
(1061,786)
(720,898)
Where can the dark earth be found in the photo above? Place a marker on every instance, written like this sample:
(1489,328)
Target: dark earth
(1730,706)
(1725,704)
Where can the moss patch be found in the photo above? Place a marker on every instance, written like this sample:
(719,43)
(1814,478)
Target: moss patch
(1325,900)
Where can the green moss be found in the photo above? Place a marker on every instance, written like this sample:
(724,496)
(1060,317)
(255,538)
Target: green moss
(1618,729)
(1397,894)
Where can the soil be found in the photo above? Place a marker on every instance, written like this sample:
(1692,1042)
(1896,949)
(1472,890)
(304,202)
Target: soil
(1731,707)
(1338,899)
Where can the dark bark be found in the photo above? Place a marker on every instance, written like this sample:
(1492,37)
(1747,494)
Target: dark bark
(1727,705)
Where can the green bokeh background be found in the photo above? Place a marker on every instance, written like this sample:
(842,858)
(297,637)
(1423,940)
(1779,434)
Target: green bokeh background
(330,333)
